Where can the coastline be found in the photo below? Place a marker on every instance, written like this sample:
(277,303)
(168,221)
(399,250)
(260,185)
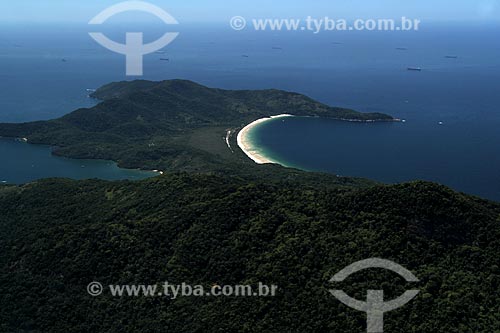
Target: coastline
(252,152)
(140,172)
(247,146)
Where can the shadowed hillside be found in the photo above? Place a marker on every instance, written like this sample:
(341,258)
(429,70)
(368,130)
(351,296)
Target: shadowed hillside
(172,126)
(57,236)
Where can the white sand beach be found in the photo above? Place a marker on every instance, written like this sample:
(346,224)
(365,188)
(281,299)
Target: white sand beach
(246,144)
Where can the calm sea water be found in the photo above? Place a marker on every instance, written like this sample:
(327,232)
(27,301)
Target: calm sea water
(22,163)
(360,70)
(390,152)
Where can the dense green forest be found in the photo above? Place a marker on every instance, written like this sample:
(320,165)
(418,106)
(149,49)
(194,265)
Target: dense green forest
(171,125)
(216,218)
(56,236)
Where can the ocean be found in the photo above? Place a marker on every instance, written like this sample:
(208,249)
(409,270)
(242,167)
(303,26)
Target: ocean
(46,69)
(22,162)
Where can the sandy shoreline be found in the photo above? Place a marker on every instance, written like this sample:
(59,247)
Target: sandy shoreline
(246,144)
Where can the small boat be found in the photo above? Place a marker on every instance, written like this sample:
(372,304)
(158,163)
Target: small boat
(451,57)
(245,56)
(164,59)
(441,123)
(64,60)
(401,48)
(416,69)
(91,90)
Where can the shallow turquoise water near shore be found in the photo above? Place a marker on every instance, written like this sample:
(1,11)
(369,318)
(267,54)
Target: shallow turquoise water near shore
(388,152)
(365,71)
(23,162)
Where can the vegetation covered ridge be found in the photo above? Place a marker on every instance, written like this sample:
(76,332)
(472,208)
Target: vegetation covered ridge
(57,236)
(173,125)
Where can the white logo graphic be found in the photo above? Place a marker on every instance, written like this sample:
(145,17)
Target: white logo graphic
(238,23)
(134,49)
(95,289)
(375,307)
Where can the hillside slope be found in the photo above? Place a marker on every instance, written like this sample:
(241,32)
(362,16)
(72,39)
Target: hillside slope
(57,236)
(171,125)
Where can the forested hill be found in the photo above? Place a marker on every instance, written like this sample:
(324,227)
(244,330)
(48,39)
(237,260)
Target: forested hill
(197,105)
(241,224)
(171,125)
(57,236)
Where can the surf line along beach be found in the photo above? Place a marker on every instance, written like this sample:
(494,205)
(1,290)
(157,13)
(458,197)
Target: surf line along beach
(247,146)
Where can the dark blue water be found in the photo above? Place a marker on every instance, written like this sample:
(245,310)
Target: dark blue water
(463,94)
(389,152)
(360,70)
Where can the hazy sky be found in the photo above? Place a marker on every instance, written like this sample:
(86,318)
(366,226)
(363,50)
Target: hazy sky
(222,10)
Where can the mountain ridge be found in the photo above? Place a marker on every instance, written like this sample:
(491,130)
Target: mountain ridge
(174,125)
(57,236)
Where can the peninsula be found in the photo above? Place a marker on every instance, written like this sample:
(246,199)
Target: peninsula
(172,125)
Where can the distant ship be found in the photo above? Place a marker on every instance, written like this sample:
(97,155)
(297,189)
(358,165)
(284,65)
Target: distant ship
(164,59)
(451,57)
(401,48)
(417,69)
(245,56)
